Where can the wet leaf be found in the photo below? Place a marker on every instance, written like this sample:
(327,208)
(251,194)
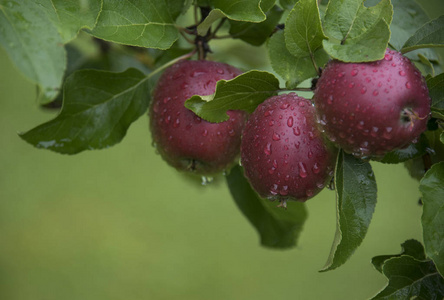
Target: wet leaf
(429,35)
(356,200)
(33,34)
(245,92)
(98,107)
(70,16)
(436,93)
(237,10)
(412,248)
(411,151)
(432,189)
(256,33)
(357,33)
(277,227)
(410,278)
(303,29)
(291,68)
(148,24)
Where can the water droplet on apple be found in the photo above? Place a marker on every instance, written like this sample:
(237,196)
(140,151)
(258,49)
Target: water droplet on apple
(302,170)
(387,134)
(267,149)
(290,121)
(284,190)
(276,136)
(309,193)
(197,73)
(316,168)
(285,105)
(268,113)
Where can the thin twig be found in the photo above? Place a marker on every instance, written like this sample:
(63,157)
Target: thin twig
(183,33)
(219,26)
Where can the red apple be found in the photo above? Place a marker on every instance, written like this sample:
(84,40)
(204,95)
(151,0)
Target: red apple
(369,109)
(184,140)
(283,153)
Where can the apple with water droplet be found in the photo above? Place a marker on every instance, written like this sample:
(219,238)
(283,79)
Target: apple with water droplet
(184,140)
(284,155)
(369,109)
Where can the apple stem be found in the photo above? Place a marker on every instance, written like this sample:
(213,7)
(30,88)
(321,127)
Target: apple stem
(283,203)
(409,115)
(192,166)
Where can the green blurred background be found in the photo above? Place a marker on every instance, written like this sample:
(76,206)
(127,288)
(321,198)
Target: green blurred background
(121,224)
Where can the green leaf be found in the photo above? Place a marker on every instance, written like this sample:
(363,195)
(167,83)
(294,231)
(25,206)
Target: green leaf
(98,108)
(44,25)
(425,66)
(429,35)
(356,200)
(349,19)
(432,189)
(303,29)
(357,33)
(115,59)
(278,228)
(34,45)
(287,4)
(238,10)
(412,151)
(436,93)
(70,16)
(292,69)
(245,92)
(146,24)
(441,138)
(256,33)
(412,248)
(410,278)
(408,16)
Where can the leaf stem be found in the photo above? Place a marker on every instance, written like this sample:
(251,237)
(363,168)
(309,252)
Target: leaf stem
(298,89)
(171,62)
(315,65)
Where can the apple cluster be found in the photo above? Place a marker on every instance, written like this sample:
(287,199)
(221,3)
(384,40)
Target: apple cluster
(288,145)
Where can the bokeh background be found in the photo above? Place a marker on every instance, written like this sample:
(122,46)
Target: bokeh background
(121,224)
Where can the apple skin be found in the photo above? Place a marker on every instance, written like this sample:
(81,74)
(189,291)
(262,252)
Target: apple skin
(185,141)
(284,155)
(369,109)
